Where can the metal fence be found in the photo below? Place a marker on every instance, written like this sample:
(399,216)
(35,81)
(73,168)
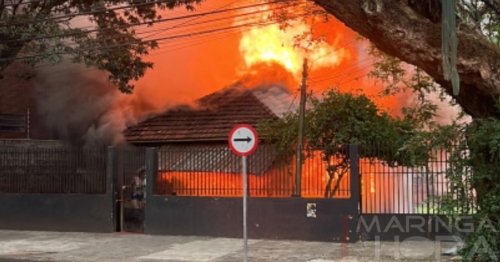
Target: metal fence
(213,170)
(411,190)
(58,170)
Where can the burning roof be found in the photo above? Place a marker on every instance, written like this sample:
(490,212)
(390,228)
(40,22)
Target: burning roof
(211,119)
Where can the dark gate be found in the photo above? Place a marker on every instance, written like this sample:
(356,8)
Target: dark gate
(400,203)
(130,206)
(196,190)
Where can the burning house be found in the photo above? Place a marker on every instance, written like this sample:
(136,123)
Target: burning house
(194,158)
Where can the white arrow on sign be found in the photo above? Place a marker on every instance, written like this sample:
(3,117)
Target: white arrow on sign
(243,140)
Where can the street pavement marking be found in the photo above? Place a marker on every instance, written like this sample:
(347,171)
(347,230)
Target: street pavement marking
(13,247)
(199,251)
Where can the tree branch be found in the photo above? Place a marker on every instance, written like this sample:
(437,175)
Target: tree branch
(493,5)
(400,31)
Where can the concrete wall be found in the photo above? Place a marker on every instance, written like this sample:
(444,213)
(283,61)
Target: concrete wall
(61,212)
(268,218)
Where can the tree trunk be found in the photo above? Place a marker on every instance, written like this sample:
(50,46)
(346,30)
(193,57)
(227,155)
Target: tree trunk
(398,30)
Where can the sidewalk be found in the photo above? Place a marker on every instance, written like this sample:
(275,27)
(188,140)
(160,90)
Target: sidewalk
(79,247)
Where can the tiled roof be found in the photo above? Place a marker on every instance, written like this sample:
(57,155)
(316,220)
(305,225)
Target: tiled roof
(213,119)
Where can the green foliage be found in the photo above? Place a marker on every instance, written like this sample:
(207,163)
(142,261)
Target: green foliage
(47,31)
(335,121)
(283,133)
(473,150)
(339,119)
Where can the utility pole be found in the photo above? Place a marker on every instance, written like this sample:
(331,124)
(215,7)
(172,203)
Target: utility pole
(300,142)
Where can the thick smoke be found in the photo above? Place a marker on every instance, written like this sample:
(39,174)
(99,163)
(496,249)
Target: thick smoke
(79,105)
(82,107)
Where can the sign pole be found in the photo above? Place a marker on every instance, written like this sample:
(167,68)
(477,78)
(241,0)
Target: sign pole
(243,141)
(245,193)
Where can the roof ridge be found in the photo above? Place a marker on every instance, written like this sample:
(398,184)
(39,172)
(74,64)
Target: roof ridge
(268,110)
(222,91)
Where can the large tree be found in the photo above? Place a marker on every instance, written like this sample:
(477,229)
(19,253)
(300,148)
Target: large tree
(101,34)
(411,31)
(418,32)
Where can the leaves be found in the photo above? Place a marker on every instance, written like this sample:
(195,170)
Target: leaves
(335,121)
(44,34)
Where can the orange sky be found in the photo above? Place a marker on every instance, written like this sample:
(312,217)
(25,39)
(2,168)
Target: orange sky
(188,68)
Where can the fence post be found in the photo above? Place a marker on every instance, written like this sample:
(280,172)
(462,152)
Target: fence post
(354,172)
(355,185)
(151,175)
(111,165)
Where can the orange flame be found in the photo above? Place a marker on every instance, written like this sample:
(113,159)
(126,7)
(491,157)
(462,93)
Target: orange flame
(288,47)
(277,181)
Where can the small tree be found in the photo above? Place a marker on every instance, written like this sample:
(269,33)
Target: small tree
(335,121)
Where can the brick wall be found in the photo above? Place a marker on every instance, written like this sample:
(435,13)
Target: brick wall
(17,97)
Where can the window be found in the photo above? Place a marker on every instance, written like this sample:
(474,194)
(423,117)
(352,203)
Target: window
(13,124)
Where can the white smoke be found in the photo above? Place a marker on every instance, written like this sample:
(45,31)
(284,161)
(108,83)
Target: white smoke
(277,98)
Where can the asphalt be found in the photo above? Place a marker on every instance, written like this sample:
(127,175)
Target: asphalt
(17,246)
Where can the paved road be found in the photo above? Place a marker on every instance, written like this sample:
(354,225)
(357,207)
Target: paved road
(18,246)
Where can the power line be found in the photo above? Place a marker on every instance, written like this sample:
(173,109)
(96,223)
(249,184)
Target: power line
(208,21)
(138,42)
(338,76)
(346,70)
(181,45)
(291,104)
(159,53)
(135,24)
(331,52)
(180,24)
(24,3)
(88,12)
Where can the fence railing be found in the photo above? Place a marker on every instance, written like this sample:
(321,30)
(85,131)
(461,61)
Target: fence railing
(213,170)
(59,170)
(411,190)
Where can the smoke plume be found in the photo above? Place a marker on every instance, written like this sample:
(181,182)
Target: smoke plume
(80,106)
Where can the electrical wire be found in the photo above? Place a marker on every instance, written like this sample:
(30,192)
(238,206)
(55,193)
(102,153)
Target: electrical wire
(100,48)
(180,24)
(346,70)
(134,24)
(183,45)
(156,54)
(87,13)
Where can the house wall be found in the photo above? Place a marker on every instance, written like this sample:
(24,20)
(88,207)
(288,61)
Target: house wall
(17,98)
